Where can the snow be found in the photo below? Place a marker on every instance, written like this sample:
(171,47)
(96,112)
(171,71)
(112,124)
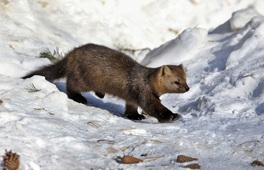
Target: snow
(220,43)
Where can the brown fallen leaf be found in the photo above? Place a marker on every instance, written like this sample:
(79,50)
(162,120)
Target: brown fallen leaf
(10,161)
(183,158)
(126,159)
(193,166)
(1,101)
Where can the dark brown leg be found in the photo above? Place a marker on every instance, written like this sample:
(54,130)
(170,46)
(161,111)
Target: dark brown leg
(73,93)
(132,113)
(154,108)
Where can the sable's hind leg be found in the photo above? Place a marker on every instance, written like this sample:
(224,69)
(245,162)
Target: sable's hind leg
(100,95)
(132,113)
(74,94)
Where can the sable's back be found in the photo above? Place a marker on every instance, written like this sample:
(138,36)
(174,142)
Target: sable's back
(96,55)
(102,68)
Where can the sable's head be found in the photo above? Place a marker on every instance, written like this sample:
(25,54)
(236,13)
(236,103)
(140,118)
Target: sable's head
(172,79)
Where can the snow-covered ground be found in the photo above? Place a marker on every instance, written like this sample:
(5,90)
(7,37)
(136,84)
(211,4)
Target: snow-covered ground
(223,113)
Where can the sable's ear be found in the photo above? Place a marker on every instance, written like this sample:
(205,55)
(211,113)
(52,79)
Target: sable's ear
(181,66)
(165,70)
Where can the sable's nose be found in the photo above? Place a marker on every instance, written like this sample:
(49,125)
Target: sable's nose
(187,88)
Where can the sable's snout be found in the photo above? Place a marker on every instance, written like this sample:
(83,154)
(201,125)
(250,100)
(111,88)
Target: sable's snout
(187,88)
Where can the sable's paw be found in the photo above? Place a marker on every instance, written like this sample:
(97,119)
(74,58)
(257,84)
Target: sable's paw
(79,99)
(175,116)
(164,118)
(100,95)
(136,117)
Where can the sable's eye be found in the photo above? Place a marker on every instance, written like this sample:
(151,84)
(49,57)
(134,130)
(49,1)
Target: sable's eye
(176,82)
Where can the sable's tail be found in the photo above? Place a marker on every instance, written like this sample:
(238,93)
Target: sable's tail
(51,72)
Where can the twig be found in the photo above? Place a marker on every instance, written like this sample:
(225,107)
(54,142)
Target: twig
(44,110)
(105,140)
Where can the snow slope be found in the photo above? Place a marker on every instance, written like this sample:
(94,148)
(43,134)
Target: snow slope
(223,113)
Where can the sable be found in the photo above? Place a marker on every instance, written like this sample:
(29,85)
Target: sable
(103,70)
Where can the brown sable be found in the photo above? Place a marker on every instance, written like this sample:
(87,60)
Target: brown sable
(103,70)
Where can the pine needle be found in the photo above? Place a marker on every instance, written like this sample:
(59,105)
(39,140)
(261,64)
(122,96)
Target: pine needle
(52,56)
(32,88)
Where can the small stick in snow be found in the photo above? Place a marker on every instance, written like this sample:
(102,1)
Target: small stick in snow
(106,140)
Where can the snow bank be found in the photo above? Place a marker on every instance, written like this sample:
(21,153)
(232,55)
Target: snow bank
(240,18)
(179,49)
(226,70)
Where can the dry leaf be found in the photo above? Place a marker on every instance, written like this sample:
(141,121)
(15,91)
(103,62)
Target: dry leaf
(193,166)
(126,159)
(183,158)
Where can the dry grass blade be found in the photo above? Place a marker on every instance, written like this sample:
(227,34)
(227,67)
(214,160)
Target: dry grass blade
(39,109)
(44,110)
(106,140)
(175,31)
(94,124)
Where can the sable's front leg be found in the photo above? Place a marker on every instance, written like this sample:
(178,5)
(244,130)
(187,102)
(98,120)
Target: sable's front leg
(156,109)
(168,117)
(132,113)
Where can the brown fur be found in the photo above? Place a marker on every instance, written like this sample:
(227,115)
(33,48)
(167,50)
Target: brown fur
(103,70)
